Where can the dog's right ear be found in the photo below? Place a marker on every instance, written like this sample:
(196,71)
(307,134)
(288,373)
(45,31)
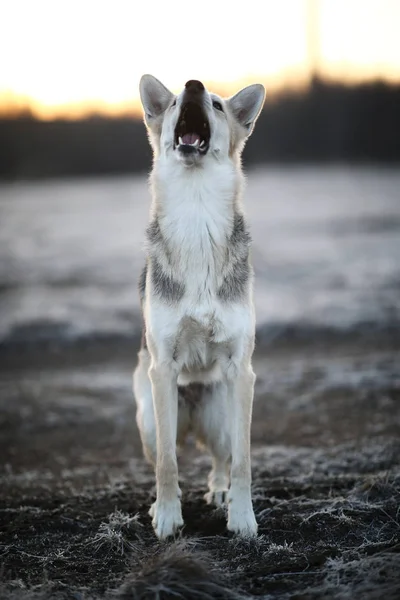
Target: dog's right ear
(155,97)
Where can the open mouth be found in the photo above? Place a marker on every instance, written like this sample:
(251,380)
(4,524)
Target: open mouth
(192,131)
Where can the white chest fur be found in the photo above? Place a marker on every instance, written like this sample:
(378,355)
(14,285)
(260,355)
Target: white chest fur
(195,213)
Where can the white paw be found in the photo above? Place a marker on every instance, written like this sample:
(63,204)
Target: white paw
(217,497)
(241,519)
(167,518)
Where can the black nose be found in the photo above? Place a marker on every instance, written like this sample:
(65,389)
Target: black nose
(194,86)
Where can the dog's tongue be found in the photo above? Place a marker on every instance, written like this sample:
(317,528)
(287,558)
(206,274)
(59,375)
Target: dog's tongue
(190,138)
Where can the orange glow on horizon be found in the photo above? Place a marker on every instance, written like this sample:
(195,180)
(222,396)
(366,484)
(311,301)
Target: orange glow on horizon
(13,105)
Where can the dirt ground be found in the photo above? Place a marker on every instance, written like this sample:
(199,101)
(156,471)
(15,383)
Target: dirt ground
(75,490)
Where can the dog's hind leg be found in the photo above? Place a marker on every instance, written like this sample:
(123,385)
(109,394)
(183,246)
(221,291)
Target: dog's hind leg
(211,426)
(144,407)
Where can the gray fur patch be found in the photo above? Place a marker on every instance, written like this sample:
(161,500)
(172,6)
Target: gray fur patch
(235,283)
(142,283)
(237,268)
(154,235)
(240,237)
(142,293)
(164,285)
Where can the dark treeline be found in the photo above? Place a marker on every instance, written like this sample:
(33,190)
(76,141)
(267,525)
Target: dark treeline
(329,122)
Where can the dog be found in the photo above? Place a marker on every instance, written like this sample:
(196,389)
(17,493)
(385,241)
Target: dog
(194,371)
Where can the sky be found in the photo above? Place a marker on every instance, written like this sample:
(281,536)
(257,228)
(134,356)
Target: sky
(69,57)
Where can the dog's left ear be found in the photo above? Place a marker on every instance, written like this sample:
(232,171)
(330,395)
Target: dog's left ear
(246,105)
(154,95)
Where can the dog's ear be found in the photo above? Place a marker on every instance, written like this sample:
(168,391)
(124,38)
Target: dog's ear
(155,96)
(246,105)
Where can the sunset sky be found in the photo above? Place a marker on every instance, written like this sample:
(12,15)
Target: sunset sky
(68,57)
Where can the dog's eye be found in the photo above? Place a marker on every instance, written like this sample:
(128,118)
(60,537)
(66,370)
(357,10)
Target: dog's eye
(218,105)
(174,103)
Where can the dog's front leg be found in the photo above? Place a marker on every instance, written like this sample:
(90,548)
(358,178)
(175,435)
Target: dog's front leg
(241,519)
(166,511)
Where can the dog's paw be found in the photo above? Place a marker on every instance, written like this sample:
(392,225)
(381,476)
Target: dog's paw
(218,498)
(241,520)
(167,518)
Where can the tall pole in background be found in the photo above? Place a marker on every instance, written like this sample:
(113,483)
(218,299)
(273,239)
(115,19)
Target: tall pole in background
(313,39)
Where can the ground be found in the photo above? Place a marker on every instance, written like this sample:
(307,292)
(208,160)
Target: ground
(75,489)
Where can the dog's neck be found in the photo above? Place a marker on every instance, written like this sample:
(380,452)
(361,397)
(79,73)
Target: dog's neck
(195,209)
(182,191)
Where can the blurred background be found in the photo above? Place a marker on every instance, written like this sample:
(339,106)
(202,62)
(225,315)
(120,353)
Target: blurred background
(323,194)
(323,203)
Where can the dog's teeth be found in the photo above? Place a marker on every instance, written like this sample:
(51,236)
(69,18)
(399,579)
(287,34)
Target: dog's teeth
(202,143)
(180,141)
(196,143)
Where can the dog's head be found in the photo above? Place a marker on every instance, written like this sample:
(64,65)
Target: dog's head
(198,125)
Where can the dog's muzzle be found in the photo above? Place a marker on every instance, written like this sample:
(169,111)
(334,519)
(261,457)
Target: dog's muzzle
(192,131)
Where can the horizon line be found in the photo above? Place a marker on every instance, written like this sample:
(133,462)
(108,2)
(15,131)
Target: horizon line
(14,105)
